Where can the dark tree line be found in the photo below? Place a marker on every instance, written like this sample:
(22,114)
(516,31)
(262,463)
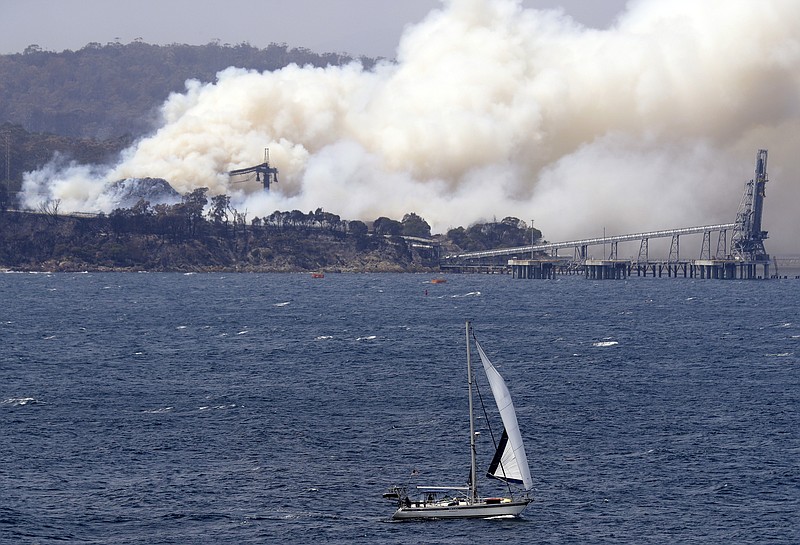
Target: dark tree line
(186,220)
(197,215)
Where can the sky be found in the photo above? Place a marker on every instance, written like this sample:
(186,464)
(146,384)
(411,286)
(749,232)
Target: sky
(595,117)
(359,27)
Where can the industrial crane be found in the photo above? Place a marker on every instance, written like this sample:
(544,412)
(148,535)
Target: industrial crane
(265,173)
(747,241)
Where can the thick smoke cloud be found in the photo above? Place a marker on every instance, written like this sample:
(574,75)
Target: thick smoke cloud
(493,110)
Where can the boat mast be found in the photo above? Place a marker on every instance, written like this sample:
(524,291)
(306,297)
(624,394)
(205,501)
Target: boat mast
(473,483)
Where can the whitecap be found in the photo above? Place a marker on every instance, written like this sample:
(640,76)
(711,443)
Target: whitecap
(20,401)
(242,332)
(49,338)
(323,337)
(470,294)
(181,327)
(207,407)
(281,304)
(158,411)
(605,343)
(369,338)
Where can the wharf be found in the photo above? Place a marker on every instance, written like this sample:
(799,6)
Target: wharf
(747,254)
(620,269)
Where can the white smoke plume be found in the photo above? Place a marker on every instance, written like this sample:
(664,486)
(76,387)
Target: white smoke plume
(494,110)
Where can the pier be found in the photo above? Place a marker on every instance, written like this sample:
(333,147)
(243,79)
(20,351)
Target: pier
(739,252)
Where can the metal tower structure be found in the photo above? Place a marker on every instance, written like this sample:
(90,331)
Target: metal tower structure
(747,241)
(265,173)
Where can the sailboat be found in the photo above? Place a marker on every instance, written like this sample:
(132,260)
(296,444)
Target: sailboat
(510,465)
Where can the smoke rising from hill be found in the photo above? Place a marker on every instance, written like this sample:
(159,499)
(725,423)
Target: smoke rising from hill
(493,110)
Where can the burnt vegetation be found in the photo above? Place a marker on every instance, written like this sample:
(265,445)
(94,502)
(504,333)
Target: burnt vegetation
(202,234)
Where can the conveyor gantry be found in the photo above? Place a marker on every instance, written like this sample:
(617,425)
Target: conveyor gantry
(585,243)
(747,252)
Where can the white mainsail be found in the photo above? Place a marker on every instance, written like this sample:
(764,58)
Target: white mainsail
(510,463)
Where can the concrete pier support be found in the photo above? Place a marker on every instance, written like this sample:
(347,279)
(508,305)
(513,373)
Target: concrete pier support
(538,269)
(728,269)
(606,269)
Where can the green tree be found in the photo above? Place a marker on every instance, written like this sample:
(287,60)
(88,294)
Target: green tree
(220,204)
(191,209)
(357,228)
(385,226)
(415,226)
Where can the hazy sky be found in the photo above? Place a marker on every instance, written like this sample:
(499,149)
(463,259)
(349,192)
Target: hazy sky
(358,27)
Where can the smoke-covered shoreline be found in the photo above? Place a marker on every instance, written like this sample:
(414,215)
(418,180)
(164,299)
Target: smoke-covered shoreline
(495,110)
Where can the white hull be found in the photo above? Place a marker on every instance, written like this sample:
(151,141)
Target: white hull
(463,510)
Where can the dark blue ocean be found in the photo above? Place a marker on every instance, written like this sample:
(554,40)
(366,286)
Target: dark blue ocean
(249,408)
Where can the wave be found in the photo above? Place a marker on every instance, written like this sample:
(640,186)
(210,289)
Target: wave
(158,411)
(20,401)
(216,407)
(470,294)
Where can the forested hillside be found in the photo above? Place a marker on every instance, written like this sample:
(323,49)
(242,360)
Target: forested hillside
(113,90)
(90,104)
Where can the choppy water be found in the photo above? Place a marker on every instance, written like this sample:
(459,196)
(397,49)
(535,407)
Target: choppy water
(212,408)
